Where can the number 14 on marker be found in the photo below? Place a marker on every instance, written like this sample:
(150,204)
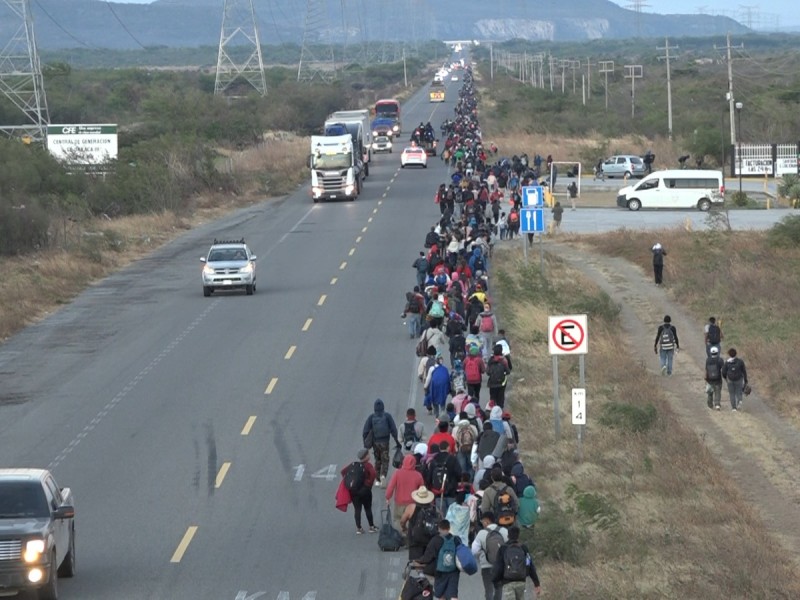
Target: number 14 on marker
(578,406)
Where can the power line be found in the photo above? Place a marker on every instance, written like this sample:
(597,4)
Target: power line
(125,27)
(61,27)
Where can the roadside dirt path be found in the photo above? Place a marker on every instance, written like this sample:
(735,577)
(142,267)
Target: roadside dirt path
(759,449)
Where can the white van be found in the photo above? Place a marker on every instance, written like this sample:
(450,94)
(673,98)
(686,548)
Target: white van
(684,188)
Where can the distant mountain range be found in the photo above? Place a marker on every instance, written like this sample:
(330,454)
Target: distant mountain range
(191,23)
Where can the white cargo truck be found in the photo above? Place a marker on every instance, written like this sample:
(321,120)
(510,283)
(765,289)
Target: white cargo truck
(362,116)
(336,171)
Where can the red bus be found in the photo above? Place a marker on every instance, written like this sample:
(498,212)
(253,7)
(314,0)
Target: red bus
(389,109)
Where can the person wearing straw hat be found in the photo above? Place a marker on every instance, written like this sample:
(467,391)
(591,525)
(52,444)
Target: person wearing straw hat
(416,520)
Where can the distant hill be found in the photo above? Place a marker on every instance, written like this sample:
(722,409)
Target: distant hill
(191,23)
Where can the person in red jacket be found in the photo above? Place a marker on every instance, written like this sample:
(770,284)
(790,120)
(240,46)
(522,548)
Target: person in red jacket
(404,480)
(474,368)
(362,498)
(442,435)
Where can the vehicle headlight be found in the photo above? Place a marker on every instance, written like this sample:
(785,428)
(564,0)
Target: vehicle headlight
(248,268)
(33,551)
(374,133)
(208,270)
(395,128)
(388,144)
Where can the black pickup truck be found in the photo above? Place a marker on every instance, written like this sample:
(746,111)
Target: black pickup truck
(37,533)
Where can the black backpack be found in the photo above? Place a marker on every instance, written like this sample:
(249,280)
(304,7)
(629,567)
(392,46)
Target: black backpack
(380,427)
(410,436)
(515,563)
(667,338)
(355,476)
(426,525)
(714,369)
(438,473)
(714,334)
(733,371)
(479,266)
(497,373)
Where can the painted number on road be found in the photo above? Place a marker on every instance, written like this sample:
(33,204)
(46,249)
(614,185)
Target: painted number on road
(244,595)
(327,473)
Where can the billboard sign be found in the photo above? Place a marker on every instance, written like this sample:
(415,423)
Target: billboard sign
(83,144)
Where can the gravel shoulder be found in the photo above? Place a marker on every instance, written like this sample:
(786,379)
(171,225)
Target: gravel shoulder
(757,447)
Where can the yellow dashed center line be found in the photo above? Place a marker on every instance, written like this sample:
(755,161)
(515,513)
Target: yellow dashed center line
(334,280)
(223,470)
(358,240)
(307,324)
(290,352)
(364,229)
(352,251)
(369,220)
(374,211)
(381,201)
(181,549)
(322,299)
(248,425)
(343,266)
(271,385)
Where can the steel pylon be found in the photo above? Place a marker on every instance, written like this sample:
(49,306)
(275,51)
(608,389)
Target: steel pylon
(239,56)
(21,72)
(311,67)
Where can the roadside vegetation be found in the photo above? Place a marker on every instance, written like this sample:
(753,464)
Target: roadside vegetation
(185,156)
(648,512)
(747,280)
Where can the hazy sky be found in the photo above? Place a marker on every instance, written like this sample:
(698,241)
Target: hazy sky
(763,14)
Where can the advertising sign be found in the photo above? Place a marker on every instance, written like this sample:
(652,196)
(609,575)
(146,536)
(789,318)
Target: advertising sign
(82,144)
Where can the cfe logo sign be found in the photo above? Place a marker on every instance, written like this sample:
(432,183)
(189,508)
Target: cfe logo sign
(568,335)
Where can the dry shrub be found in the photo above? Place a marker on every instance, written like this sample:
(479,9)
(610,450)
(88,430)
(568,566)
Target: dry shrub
(273,167)
(683,530)
(738,277)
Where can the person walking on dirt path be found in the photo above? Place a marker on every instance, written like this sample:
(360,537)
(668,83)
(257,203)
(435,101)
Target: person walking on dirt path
(658,262)
(666,344)
(713,377)
(378,429)
(358,478)
(713,335)
(735,373)
(558,213)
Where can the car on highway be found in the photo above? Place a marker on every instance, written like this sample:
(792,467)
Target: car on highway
(414,155)
(676,188)
(37,533)
(382,143)
(624,165)
(229,265)
(383,126)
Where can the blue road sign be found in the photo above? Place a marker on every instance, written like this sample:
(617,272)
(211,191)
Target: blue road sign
(532,196)
(531,220)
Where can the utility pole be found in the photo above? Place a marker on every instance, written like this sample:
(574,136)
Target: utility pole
(633,72)
(564,64)
(606,67)
(491,62)
(589,65)
(729,95)
(574,65)
(405,72)
(550,62)
(666,57)
(21,72)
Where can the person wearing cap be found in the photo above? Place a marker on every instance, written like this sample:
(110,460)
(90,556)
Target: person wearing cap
(363,498)
(418,540)
(712,335)
(658,262)
(491,590)
(713,377)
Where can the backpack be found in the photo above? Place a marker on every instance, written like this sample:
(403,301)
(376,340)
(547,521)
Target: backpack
(487,443)
(426,525)
(667,338)
(438,474)
(457,381)
(355,476)
(437,310)
(504,509)
(487,323)
(494,540)
(714,334)
(472,369)
(446,561)
(522,481)
(422,264)
(380,427)
(410,436)
(714,370)
(479,266)
(465,438)
(734,370)
(515,563)
(497,373)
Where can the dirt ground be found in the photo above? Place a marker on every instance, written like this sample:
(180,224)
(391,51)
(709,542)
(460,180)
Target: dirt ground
(759,449)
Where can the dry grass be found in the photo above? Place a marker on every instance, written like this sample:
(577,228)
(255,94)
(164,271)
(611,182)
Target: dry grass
(37,284)
(738,278)
(684,530)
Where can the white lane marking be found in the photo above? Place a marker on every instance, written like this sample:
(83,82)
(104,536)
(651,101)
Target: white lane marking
(308,596)
(242,595)
(298,472)
(327,473)
(129,387)
(292,230)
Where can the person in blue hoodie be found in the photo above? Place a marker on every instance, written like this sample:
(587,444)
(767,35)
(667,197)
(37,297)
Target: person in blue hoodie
(476,261)
(437,384)
(378,430)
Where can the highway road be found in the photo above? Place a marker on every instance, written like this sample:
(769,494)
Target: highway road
(203,436)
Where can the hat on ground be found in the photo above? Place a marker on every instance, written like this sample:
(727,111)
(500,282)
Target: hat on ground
(422,495)
(714,350)
(363,454)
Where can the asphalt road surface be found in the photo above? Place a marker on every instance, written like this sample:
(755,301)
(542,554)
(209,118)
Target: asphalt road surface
(203,437)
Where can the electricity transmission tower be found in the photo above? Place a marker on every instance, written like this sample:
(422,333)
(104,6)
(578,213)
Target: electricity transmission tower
(239,54)
(21,72)
(310,67)
(637,6)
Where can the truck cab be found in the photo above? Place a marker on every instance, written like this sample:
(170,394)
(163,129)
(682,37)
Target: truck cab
(390,108)
(337,171)
(37,533)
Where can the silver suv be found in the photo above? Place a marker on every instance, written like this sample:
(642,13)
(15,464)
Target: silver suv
(624,165)
(229,265)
